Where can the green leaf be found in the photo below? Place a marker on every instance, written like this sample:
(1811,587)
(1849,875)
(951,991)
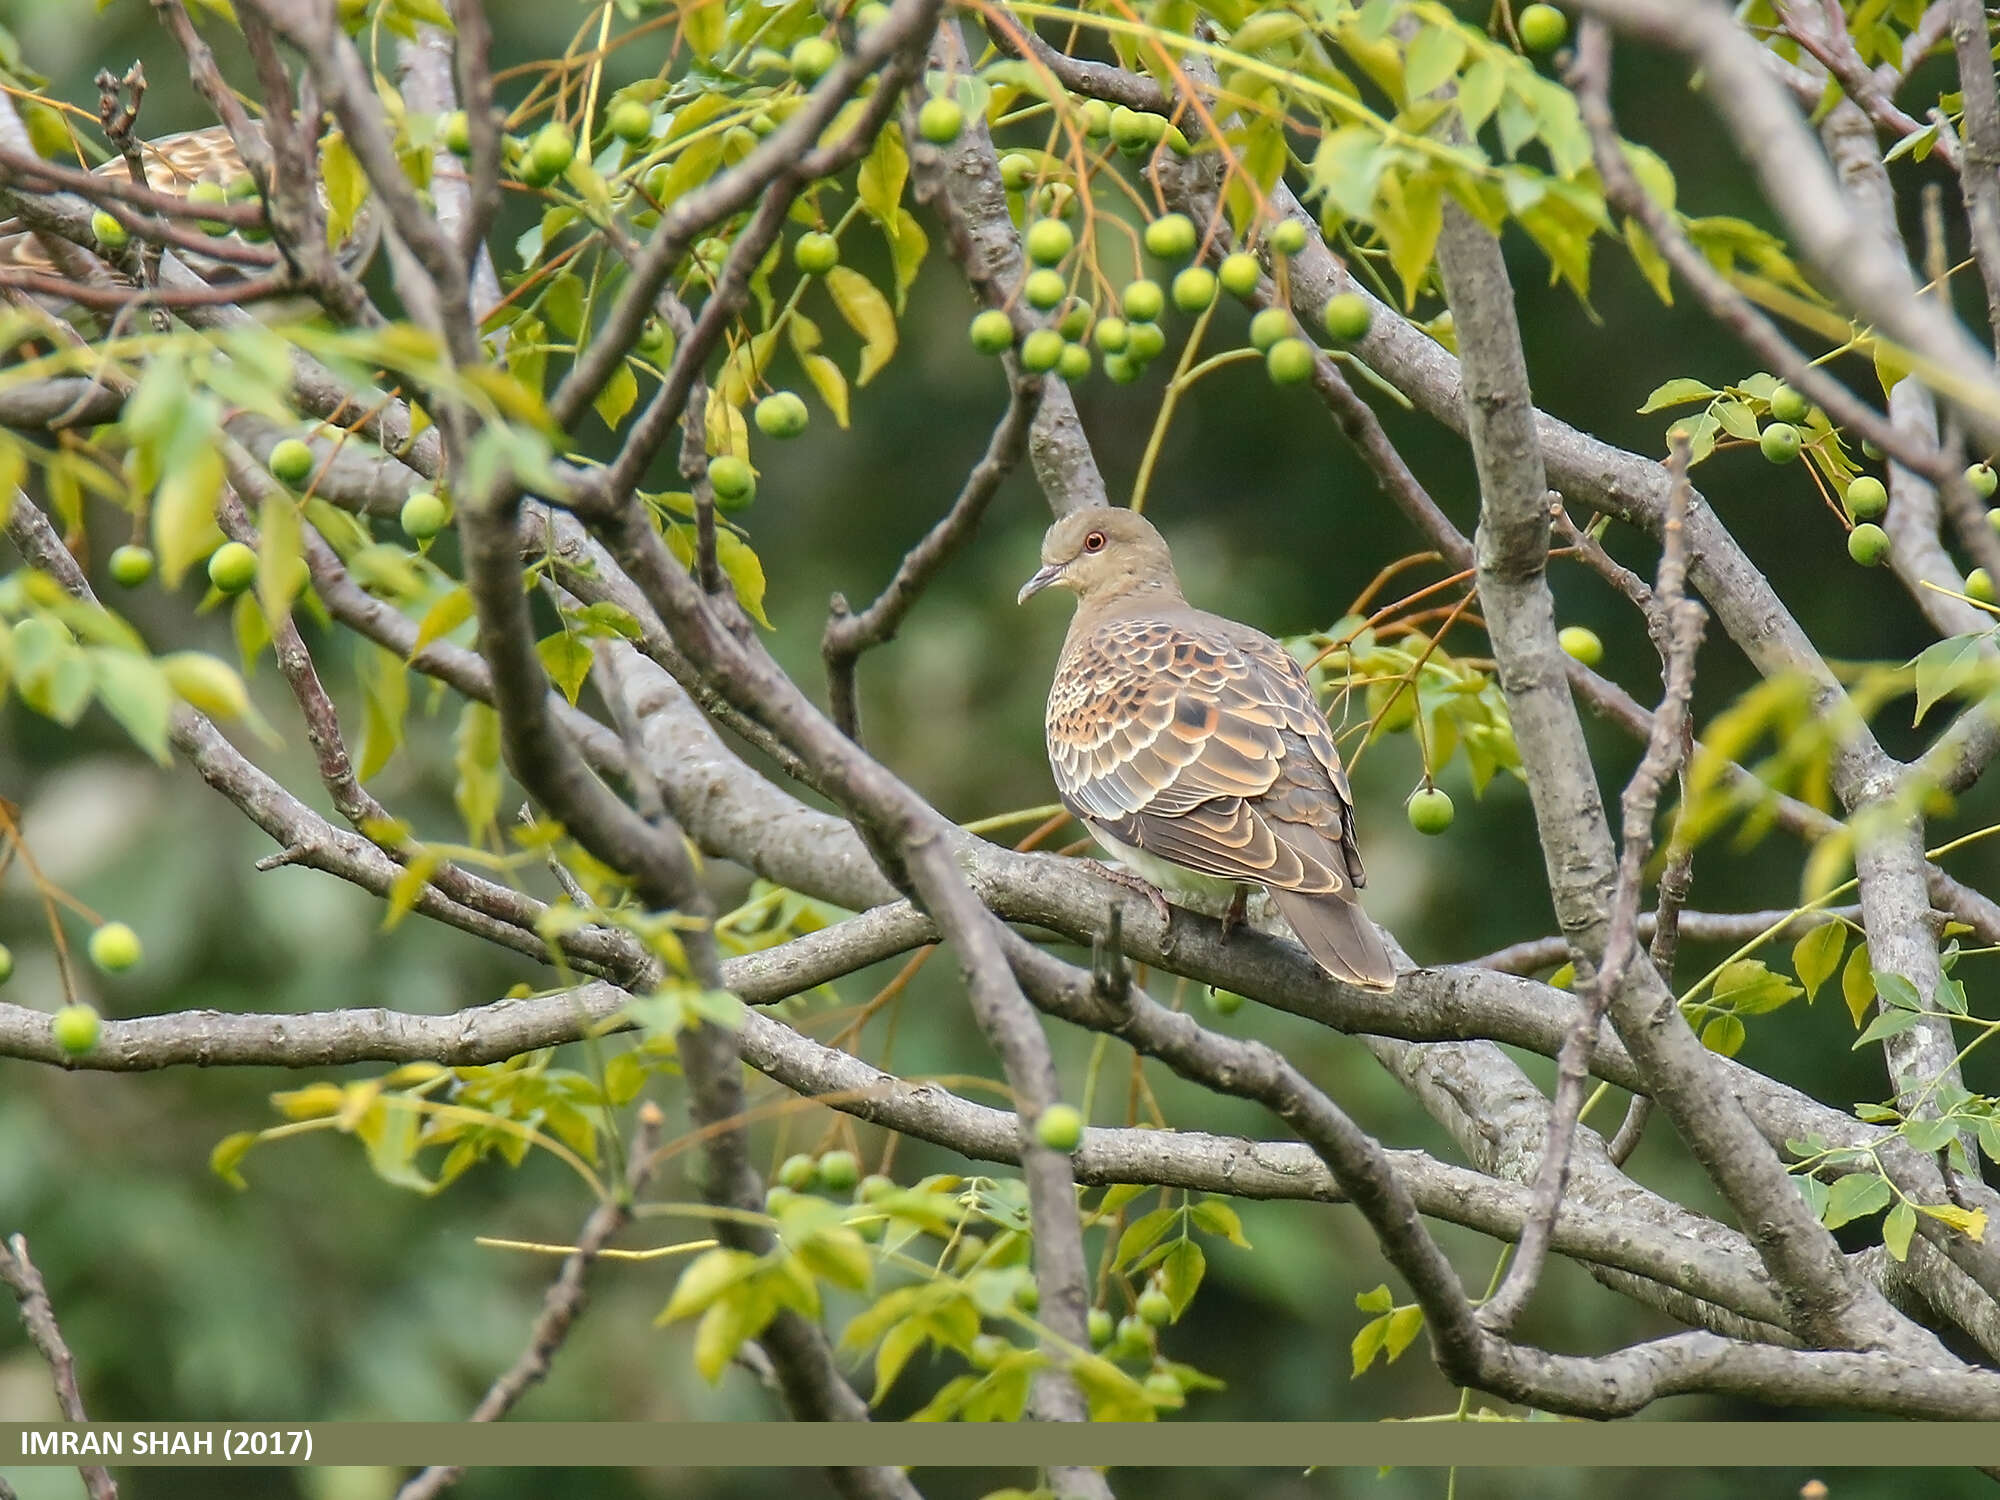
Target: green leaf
(1181,1271)
(135,692)
(1678,393)
(1897,1229)
(704,1279)
(883,172)
(908,245)
(1889,1023)
(442,618)
(1857,983)
(227,1157)
(868,313)
(184,529)
(1724,1035)
(745,573)
(1212,1216)
(1946,667)
(1113,1395)
(280,556)
(1896,990)
(901,1341)
(567,660)
(1141,1234)
(1737,419)
(728,1322)
(1409,216)
(1816,956)
(617,398)
(1434,55)
(1479,93)
(1749,987)
(1120,1196)
(475,758)
(385,699)
(1855,1196)
(1380,1299)
(1368,1343)
(1405,1323)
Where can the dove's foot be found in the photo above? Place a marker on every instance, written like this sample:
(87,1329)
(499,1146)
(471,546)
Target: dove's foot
(1238,913)
(1153,894)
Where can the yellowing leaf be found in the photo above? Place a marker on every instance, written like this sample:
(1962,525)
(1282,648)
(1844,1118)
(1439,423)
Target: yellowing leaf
(346,186)
(184,529)
(1857,984)
(620,392)
(281,569)
(475,756)
(867,312)
(829,382)
(567,659)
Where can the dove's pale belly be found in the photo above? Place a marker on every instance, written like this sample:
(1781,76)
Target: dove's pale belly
(1168,876)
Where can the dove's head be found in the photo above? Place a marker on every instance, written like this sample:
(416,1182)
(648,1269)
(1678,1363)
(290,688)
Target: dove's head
(1104,553)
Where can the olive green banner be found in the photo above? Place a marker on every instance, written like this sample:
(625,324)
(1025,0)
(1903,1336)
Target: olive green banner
(1805,1445)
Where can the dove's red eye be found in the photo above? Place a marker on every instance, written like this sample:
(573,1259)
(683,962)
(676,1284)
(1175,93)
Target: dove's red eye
(1094,542)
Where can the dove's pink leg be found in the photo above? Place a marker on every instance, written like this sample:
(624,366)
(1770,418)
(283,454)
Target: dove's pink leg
(1238,913)
(1153,894)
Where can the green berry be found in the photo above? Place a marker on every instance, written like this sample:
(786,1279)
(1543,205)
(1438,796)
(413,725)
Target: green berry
(988,1350)
(1787,405)
(1143,301)
(839,1171)
(1288,237)
(734,484)
(1993,520)
(1110,335)
(1041,350)
(1429,809)
(291,462)
(1780,442)
(1074,365)
(1027,1296)
(457,132)
(940,121)
(631,121)
(816,253)
(1224,1002)
(1270,325)
(1194,289)
(1289,362)
(551,152)
(1868,544)
(1136,132)
(869,16)
(1016,171)
(111,235)
(1060,1127)
(1156,1307)
(1162,1389)
(131,566)
(1074,324)
(1121,369)
(1094,118)
(992,332)
(423,516)
(1581,642)
(1172,237)
(210,194)
(778,1197)
(1543,28)
(798,1172)
(1144,341)
(1102,1326)
(655,343)
(1983,480)
(1239,274)
(1135,1338)
(813,58)
(1979,585)
(232,568)
(1866,498)
(1871,450)
(875,1187)
(75,1028)
(114,947)
(1347,316)
(6,963)
(1048,241)
(782,414)
(1044,288)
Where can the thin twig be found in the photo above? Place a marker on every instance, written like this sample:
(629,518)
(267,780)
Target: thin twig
(38,1316)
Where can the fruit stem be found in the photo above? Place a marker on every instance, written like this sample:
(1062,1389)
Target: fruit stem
(1181,380)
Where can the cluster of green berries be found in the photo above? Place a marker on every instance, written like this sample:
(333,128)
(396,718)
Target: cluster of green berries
(1129,337)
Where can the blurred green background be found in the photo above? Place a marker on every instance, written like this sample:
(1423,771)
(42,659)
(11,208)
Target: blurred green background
(322,1292)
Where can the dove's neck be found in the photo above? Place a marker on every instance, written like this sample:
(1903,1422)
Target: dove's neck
(1138,596)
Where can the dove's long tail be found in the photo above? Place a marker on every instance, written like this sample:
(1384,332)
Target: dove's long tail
(1337,932)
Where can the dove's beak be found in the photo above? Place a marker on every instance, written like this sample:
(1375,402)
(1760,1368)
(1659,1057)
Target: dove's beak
(1042,579)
